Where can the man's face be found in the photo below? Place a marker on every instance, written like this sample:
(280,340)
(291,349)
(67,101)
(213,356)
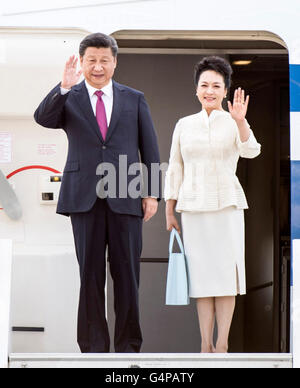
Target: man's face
(98,66)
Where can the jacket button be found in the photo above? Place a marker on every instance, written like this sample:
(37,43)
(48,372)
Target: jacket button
(104,147)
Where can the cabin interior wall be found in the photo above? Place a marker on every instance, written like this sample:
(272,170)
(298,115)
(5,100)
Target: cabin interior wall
(259,221)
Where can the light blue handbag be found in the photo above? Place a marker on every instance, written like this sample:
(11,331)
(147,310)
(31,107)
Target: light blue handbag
(177,291)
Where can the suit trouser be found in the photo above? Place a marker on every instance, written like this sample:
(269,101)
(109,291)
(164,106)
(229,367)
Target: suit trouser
(122,233)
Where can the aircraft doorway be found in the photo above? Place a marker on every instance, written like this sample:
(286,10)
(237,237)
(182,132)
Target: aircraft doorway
(162,67)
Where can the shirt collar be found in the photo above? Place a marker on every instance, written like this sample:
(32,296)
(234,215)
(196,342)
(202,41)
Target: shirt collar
(213,114)
(107,90)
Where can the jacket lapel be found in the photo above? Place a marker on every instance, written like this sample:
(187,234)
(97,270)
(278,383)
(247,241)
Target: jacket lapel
(83,99)
(117,108)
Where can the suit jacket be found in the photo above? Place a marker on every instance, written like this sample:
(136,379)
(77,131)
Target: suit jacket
(203,160)
(130,133)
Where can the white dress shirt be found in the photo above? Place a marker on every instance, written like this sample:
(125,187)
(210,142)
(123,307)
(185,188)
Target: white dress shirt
(202,169)
(108,98)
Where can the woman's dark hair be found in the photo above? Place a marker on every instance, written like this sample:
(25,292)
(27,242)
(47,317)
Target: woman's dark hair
(217,64)
(98,40)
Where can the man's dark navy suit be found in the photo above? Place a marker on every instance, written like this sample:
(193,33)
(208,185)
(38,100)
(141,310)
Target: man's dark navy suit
(97,223)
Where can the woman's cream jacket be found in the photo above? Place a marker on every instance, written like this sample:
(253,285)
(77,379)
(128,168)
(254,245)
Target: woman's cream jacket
(205,150)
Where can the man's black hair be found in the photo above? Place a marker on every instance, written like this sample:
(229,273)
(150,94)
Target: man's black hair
(98,40)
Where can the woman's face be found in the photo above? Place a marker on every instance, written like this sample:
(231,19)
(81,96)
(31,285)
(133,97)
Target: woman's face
(211,90)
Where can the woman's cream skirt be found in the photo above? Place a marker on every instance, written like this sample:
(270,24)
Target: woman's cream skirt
(214,245)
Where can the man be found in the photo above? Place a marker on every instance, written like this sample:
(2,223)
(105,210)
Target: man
(104,121)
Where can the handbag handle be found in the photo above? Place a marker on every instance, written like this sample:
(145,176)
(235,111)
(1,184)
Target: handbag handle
(174,234)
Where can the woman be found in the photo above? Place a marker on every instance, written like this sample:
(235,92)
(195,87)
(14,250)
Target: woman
(202,185)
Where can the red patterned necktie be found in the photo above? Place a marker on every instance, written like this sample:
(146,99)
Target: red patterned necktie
(101,114)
